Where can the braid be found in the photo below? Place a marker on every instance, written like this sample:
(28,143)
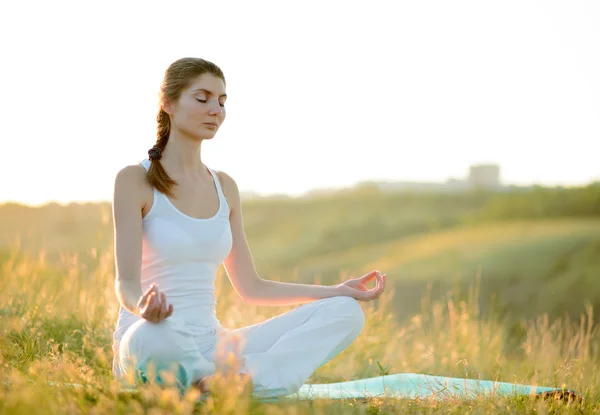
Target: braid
(157,176)
(163,130)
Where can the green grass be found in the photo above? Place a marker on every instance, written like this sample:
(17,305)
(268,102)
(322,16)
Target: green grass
(60,332)
(508,300)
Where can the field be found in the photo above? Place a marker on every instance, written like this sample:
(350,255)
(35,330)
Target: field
(481,285)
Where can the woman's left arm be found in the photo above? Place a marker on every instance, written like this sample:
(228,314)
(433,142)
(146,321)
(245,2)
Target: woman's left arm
(241,270)
(242,273)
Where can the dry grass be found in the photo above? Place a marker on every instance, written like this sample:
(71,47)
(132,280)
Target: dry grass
(56,320)
(58,308)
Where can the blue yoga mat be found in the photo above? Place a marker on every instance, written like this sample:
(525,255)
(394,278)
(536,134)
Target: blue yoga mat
(400,385)
(413,386)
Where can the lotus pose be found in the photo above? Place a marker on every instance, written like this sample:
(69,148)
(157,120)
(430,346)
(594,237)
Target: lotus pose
(176,221)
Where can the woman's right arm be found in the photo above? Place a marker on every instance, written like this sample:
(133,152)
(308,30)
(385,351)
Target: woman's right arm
(127,218)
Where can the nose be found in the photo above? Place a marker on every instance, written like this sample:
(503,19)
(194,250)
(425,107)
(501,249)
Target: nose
(216,109)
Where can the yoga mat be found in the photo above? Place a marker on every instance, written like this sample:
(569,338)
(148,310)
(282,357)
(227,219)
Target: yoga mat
(418,386)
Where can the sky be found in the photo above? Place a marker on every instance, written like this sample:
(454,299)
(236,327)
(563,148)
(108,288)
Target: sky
(321,94)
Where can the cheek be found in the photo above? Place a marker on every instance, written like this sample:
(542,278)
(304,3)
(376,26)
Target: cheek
(195,109)
(194,114)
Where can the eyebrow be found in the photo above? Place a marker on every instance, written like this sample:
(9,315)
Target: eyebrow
(208,92)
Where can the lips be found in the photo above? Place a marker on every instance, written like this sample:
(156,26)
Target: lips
(211,124)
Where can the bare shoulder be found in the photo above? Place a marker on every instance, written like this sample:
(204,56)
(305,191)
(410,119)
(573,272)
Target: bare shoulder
(133,172)
(132,177)
(131,183)
(230,189)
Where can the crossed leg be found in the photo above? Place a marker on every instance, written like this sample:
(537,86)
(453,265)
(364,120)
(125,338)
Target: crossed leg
(148,348)
(281,353)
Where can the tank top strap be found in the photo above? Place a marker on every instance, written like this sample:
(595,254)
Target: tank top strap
(156,195)
(222,200)
(146,164)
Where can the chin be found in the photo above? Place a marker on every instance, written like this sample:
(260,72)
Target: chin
(206,136)
(202,135)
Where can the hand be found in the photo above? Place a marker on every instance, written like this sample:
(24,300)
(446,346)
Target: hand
(153,305)
(357,289)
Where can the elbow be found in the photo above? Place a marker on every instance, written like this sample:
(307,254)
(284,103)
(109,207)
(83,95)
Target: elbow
(252,293)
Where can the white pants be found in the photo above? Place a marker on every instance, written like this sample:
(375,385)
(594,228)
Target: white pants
(279,354)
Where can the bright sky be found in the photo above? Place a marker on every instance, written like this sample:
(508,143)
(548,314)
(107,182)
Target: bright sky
(321,93)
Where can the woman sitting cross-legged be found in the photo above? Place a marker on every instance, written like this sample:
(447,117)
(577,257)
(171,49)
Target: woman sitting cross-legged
(176,221)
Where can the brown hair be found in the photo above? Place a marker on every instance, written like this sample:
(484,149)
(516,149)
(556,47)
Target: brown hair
(177,77)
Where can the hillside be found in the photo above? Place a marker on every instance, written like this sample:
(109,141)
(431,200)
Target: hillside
(535,251)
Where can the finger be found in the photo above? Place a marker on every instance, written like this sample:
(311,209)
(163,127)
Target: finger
(144,299)
(359,286)
(152,307)
(169,311)
(163,307)
(375,292)
(377,282)
(163,302)
(381,287)
(148,302)
(145,307)
(149,291)
(368,277)
(148,307)
(152,289)
(159,306)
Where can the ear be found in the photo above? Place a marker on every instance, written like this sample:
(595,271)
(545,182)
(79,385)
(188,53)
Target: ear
(168,107)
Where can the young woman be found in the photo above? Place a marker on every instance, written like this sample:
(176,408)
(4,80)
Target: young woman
(176,221)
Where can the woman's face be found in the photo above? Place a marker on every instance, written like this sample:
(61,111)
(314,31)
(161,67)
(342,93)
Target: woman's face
(200,110)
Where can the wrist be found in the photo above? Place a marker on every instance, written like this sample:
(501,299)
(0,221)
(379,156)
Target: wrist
(335,290)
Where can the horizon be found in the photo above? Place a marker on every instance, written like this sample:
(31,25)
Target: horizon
(250,195)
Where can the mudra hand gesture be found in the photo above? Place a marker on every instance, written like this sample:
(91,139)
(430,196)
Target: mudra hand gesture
(357,289)
(152,305)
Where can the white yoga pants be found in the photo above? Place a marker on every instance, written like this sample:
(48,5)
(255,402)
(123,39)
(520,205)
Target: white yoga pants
(279,354)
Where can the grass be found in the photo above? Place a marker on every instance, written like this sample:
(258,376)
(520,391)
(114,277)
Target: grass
(54,327)
(57,310)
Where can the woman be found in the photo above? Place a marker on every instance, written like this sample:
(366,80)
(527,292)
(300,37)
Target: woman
(176,221)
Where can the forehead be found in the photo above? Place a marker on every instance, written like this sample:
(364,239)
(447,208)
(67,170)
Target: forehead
(208,82)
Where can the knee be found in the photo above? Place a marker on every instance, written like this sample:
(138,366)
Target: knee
(155,340)
(350,310)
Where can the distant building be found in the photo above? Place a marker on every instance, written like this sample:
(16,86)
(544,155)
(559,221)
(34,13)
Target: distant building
(481,176)
(485,176)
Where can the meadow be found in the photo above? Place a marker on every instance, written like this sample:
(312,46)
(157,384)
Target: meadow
(484,285)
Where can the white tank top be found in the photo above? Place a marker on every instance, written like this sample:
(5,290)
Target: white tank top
(182,255)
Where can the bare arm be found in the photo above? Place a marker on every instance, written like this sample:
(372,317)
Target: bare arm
(242,273)
(127,217)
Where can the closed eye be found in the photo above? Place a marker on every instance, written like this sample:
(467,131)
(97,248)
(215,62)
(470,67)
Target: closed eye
(204,102)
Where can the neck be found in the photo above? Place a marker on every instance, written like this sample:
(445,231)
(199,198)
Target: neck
(182,154)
